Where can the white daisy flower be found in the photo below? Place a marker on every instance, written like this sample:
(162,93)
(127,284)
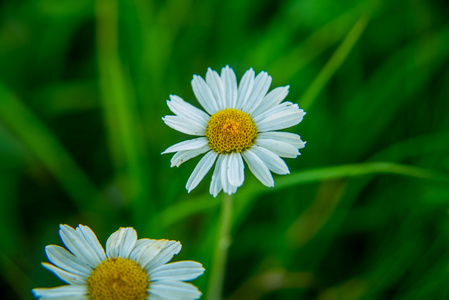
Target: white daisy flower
(240,123)
(131,268)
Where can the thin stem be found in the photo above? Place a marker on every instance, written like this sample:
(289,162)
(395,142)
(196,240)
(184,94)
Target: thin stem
(223,242)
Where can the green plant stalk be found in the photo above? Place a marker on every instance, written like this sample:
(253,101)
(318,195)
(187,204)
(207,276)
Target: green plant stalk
(218,268)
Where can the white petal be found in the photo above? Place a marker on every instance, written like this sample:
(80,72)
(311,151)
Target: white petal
(149,251)
(183,156)
(71,292)
(271,160)
(224,173)
(245,88)
(65,260)
(260,89)
(272,99)
(163,256)
(230,84)
(121,242)
(215,184)
(187,145)
(288,116)
(184,125)
(66,276)
(282,149)
(141,246)
(286,137)
(201,170)
(236,173)
(187,110)
(258,168)
(181,270)
(274,110)
(204,95)
(92,240)
(216,86)
(173,290)
(77,244)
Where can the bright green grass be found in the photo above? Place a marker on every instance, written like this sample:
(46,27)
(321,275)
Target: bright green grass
(364,213)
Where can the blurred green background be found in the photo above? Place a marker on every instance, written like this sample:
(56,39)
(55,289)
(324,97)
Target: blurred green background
(364,214)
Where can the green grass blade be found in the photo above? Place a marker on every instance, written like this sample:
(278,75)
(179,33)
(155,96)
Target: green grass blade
(47,149)
(333,63)
(352,170)
(184,209)
(122,118)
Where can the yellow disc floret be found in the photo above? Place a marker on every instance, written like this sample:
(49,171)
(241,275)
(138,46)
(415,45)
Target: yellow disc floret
(230,130)
(118,278)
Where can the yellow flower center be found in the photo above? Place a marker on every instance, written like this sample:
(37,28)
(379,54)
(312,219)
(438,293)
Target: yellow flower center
(230,130)
(118,278)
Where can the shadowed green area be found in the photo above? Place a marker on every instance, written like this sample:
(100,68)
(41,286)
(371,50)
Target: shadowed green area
(364,212)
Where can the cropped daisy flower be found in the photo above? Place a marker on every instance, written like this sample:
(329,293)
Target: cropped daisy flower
(239,123)
(131,268)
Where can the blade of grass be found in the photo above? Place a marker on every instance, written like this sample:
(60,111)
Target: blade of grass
(334,63)
(184,209)
(352,170)
(122,118)
(16,277)
(47,149)
(319,41)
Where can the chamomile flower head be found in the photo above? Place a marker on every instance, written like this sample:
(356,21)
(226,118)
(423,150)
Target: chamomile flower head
(131,268)
(240,123)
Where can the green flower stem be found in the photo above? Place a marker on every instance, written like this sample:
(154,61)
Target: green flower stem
(223,242)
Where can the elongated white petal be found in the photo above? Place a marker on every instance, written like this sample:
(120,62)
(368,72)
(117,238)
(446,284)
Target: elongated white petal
(215,184)
(224,173)
(261,86)
(271,160)
(187,145)
(149,251)
(217,87)
(181,270)
(201,170)
(121,242)
(282,149)
(65,260)
(183,156)
(272,99)
(204,95)
(70,292)
(173,290)
(66,276)
(78,245)
(289,116)
(163,256)
(141,247)
(284,106)
(184,109)
(286,137)
(258,168)
(92,240)
(245,88)
(235,168)
(184,125)
(230,84)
